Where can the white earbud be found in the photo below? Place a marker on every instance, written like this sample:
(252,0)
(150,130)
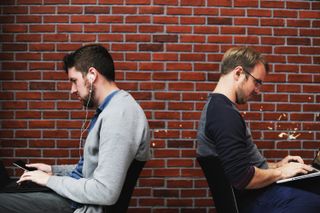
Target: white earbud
(91,79)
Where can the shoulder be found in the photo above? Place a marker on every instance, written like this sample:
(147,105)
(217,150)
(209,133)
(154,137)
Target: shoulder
(123,104)
(221,108)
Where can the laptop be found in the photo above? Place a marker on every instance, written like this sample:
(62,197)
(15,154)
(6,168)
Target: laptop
(314,173)
(9,185)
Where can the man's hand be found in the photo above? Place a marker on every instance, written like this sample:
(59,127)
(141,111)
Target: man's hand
(289,159)
(37,176)
(293,168)
(42,167)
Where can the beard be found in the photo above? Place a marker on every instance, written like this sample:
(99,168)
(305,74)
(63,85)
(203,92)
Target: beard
(88,100)
(241,97)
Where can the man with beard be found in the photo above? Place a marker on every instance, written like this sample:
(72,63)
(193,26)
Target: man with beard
(118,134)
(223,134)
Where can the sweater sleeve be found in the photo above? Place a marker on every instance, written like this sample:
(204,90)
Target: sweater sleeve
(227,128)
(120,135)
(62,170)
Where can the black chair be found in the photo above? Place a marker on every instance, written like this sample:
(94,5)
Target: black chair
(121,206)
(221,190)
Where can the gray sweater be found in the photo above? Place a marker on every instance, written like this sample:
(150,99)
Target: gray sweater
(120,134)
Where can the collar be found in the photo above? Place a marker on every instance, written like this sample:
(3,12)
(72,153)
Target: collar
(106,101)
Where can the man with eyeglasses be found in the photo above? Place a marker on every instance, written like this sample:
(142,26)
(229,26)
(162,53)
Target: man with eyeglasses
(223,133)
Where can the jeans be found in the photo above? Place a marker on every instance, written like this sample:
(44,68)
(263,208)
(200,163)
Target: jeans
(34,202)
(295,197)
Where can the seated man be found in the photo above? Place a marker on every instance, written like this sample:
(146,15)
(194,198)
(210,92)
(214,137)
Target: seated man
(118,134)
(223,133)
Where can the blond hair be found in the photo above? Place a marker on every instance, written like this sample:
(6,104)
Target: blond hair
(246,57)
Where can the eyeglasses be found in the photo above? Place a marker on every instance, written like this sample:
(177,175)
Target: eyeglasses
(258,82)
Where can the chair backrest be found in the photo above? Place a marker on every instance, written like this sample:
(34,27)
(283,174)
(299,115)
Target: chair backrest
(221,190)
(121,206)
(4,177)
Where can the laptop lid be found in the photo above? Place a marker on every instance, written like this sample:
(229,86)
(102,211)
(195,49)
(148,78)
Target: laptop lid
(316,161)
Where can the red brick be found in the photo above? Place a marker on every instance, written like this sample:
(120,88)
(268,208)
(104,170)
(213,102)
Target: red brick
(310,50)
(219,21)
(151,10)
(69,28)
(28,19)
(246,21)
(259,12)
(165,38)
(166,2)
(299,59)
(179,66)
(28,38)
(289,107)
(206,29)
(42,10)
(29,1)
(232,12)
(232,30)
(165,57)
(96,10)
(179,47)
(223,3)
(298,23)
(309,69)
(311,88)
(179,11)
(286,50)
(272,22)
(27,153)
(15,10)
(83,19)
(286,13)
(151,47)
(165,20)
(287,32)
(28,96)
(151,66)
(192,57)
(14,28)
(298,5)
(192,20)
(298,41)
(309,14)
(124,10)
(167,96)
(301,98)
(180,202)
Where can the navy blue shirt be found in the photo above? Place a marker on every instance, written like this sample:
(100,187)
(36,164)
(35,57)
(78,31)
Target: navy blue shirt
(223,133)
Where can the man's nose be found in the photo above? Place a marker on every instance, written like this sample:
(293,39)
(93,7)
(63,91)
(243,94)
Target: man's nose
(73,89)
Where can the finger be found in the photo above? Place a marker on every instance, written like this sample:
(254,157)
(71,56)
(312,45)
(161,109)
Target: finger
(309,168)
(23,178)
(299,159)
(36,165)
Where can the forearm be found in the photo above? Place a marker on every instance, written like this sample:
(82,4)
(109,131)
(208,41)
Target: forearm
(264,177)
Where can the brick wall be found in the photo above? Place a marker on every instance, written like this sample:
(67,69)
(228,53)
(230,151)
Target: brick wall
(167,54)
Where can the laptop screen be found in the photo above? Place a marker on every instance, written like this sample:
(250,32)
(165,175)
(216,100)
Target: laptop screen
(316,161)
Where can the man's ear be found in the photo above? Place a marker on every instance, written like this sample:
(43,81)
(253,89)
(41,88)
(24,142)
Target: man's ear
(92,74)
(237,73)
